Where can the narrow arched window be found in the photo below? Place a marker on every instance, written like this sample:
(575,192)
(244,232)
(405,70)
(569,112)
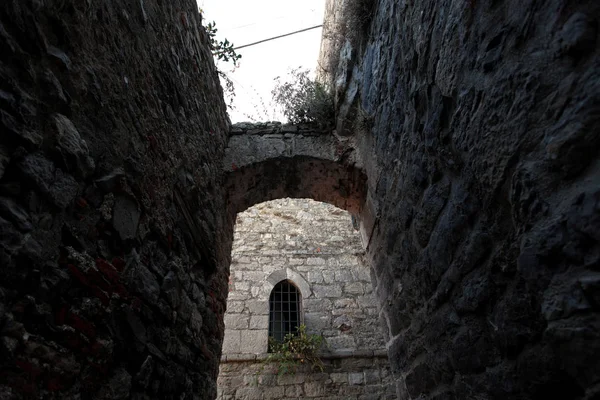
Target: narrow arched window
(284,310)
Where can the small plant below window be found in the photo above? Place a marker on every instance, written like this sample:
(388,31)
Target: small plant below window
(297,349)
(304,100)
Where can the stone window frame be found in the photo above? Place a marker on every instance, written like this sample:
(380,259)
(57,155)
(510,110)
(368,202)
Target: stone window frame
(287,274)
(297,304)
(293,277)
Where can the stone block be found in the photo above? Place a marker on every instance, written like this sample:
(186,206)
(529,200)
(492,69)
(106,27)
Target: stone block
(249,393)
(294,391)
(354,288)
(341,342)
(329,277)
(258,307)
(339,377)
(235,307)
(317,321)
(126,216)
(315,261)
(254,277)
(289,379)
(254,341)
(323,291)
(372,376)
(274,392)
(72,147)
(259,322)
(355,378)
(236,321)
(315,277)
(345,303)
(241,286)
(317,305)
(231,341)
(343,275)
(314,389)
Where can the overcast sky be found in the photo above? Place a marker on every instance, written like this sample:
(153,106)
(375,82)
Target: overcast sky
(243,22)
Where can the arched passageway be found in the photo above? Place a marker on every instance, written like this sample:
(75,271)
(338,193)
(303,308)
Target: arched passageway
(314,248)
(297,177)
(270,161)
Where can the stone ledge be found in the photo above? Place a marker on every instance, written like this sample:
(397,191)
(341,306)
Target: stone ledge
(334,355)
(275,127)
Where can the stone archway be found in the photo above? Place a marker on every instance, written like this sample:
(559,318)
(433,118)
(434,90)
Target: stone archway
(270,161)
(316,247)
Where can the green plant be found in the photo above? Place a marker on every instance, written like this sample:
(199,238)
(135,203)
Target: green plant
(297,349)
(223,49)
(303,99)
(228,88)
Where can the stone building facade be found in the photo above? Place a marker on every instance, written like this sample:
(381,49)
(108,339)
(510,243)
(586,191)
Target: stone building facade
(314,246)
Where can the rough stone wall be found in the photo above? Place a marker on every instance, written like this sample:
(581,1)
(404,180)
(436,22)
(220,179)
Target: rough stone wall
(315,246)
(113,242)
(478,126)
(344,378)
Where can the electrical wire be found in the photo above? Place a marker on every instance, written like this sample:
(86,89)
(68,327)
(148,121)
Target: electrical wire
(278,37)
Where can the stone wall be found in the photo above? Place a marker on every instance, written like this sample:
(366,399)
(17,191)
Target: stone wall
(475,130)
(113,248)
(477,122)
(315,246)
(344,377)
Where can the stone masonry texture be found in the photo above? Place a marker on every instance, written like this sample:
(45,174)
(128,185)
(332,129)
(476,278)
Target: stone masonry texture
(467,139)
(478,123)
(112,257)
(315,246)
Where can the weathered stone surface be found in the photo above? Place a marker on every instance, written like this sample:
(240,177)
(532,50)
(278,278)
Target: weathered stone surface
(4,159)
(118,387)
(306,164)
(302,236)
(12,211)
(500,99)
(59,187)
(72,148)
(369,377)
(126,216)
(98,124)
(315,246)
(482,174)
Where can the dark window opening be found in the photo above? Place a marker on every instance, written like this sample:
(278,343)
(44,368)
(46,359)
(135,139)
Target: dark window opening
(284,310)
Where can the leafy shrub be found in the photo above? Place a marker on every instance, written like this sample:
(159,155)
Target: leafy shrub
(223,49)
(303,99)
(295,350)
